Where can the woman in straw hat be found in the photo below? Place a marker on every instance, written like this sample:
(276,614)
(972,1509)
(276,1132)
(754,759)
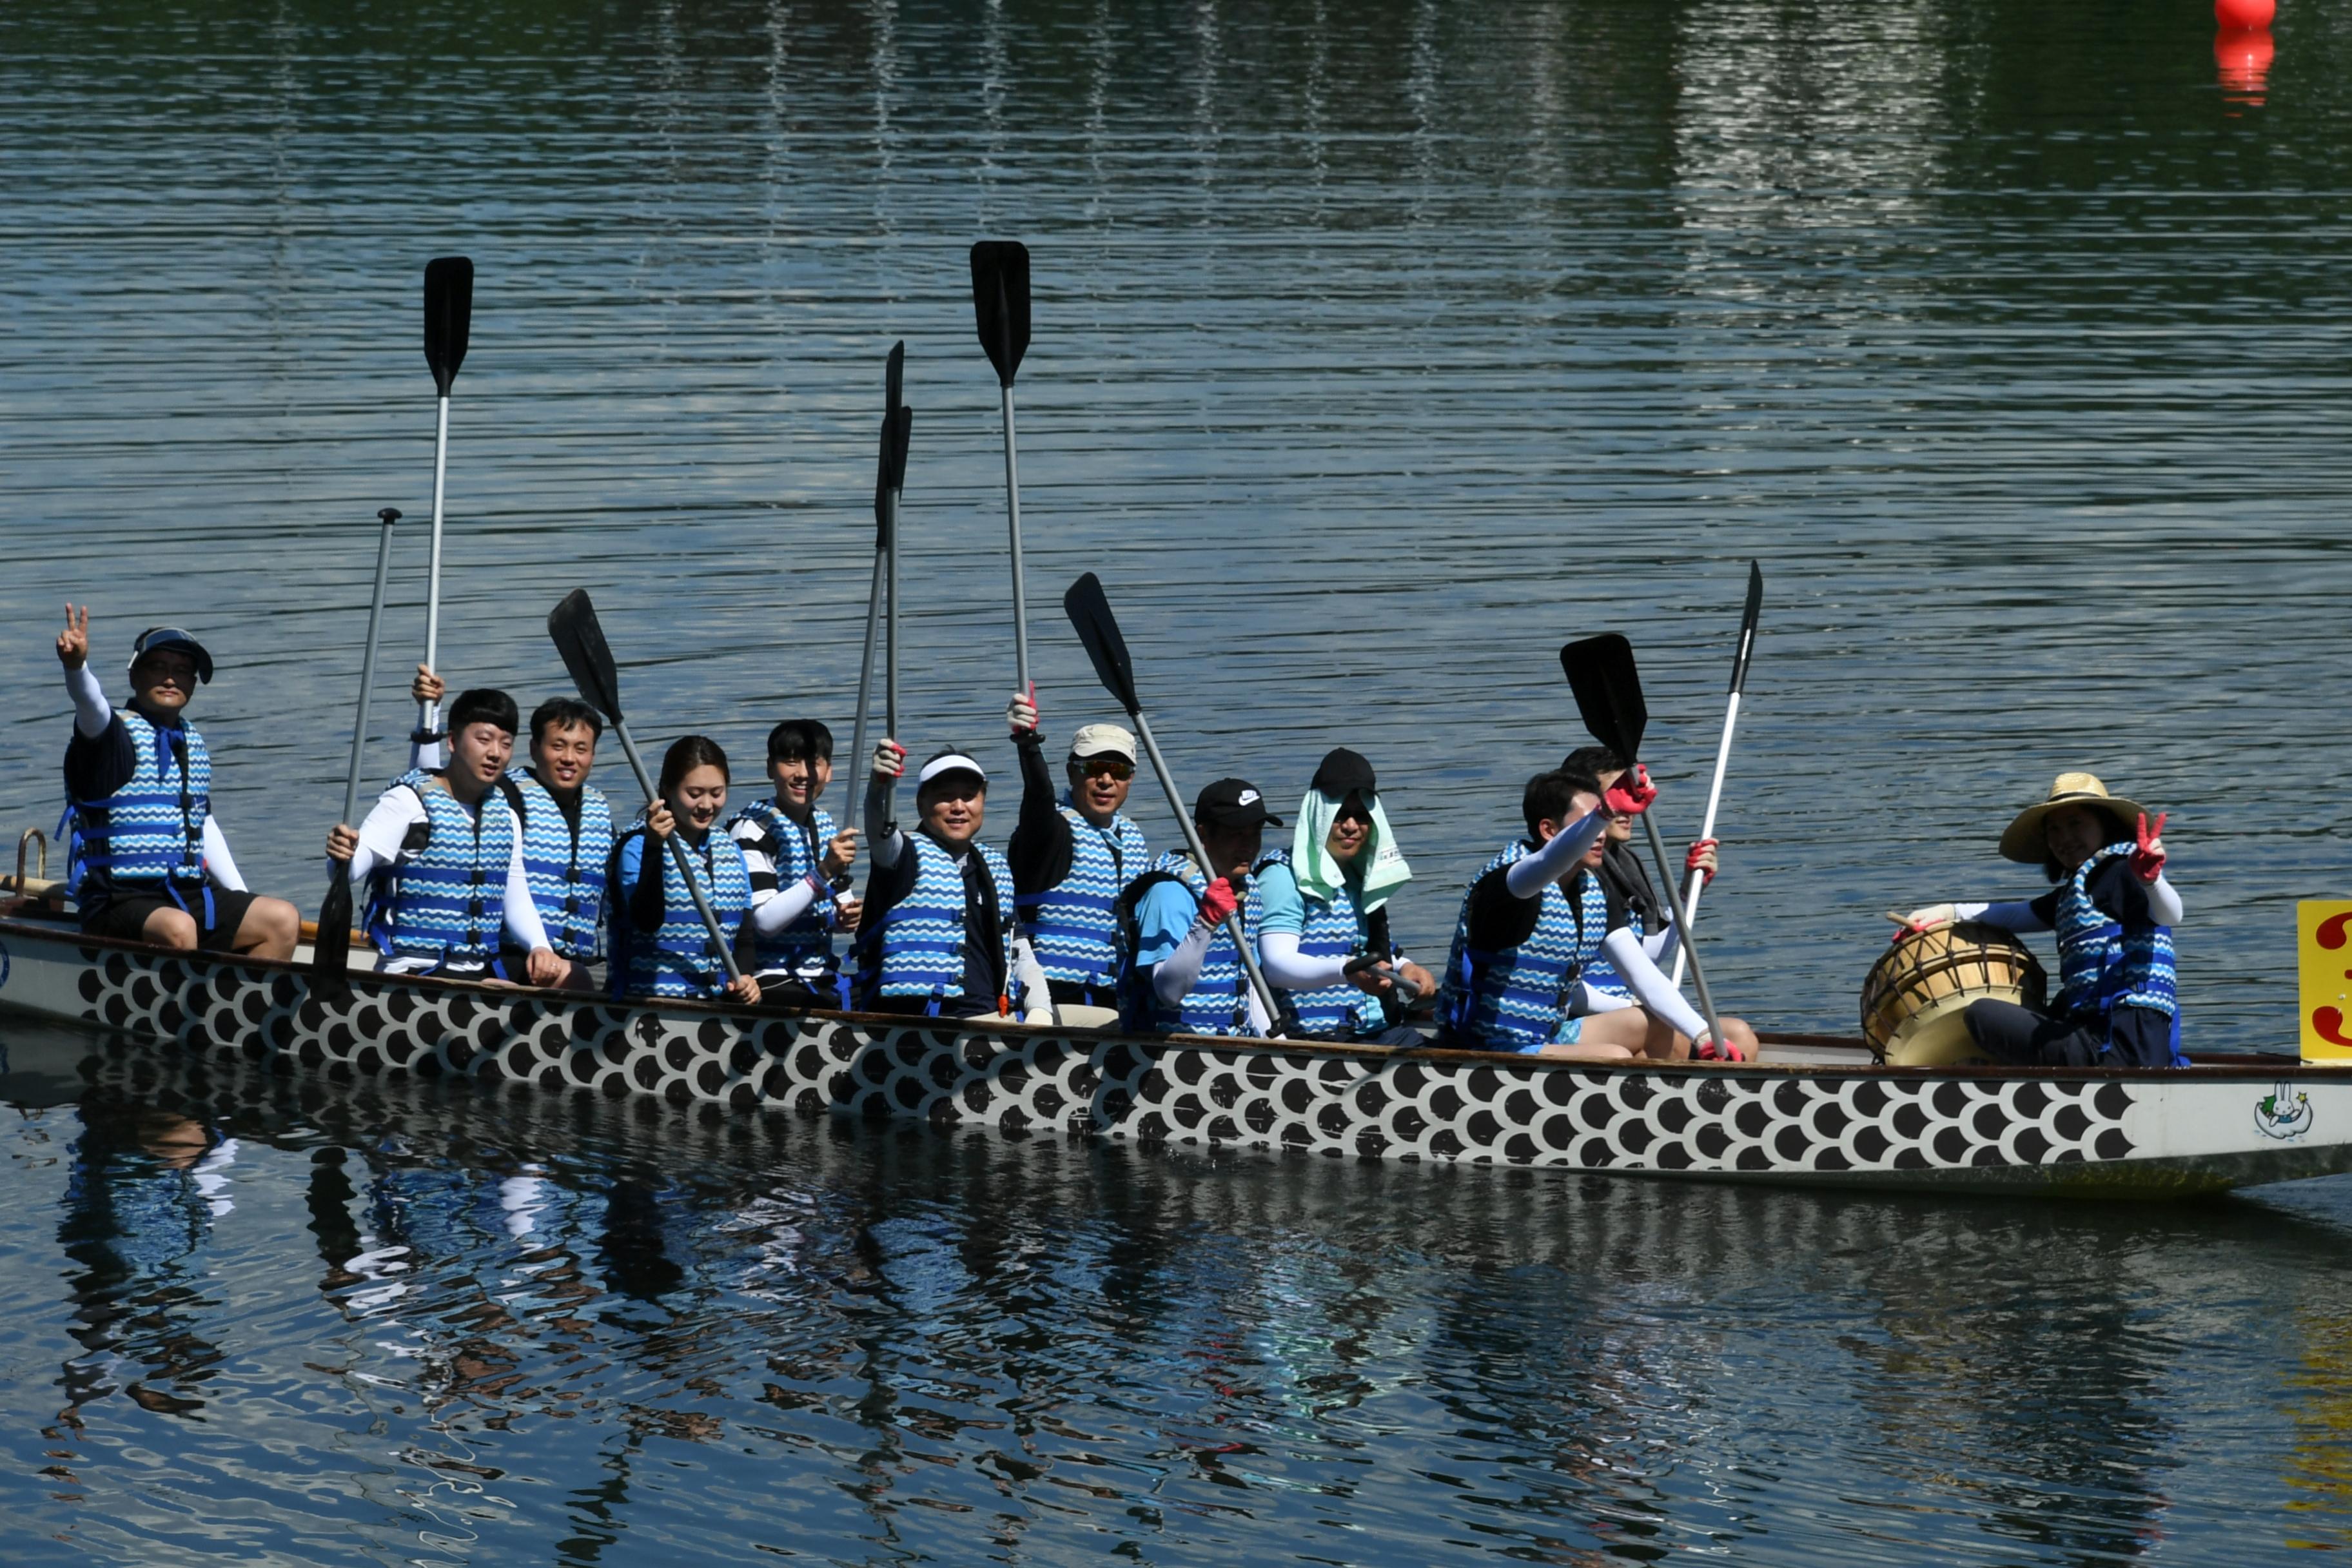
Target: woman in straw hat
(2114,913)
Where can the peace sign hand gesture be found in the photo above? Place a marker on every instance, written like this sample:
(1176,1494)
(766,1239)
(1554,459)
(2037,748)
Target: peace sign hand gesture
(73,643)
(2148,855)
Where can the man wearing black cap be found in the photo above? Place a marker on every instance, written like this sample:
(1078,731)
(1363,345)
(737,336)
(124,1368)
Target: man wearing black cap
(147,859)
(936,936)
(1186,976)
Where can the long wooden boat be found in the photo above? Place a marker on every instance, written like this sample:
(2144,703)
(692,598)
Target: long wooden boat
(1813,1111)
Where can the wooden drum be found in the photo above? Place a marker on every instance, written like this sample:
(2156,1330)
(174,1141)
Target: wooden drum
(1911,1002)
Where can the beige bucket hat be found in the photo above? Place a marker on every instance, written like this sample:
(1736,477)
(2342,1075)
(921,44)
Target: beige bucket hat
(2022,840)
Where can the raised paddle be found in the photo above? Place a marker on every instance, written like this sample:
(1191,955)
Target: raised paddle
(1609,698)
(882,507)
(330,949)
(580,642)
(1723,749)
(1089,612)
(1000,302)
(899,426)
(448,315)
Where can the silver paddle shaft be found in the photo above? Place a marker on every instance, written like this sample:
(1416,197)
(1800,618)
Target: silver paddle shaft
(1707,830)
(677,853)
(367,672)
(866,665)
(428,714)
(1682,925)
(1020,585)
(1201,858)
(891,654)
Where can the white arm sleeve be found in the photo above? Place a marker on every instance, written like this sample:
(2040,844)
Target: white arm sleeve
(1659,999)
(779,909)
(1664,943)
(522,909)
(91,715)
(219,864)
(1174,974)
(2164,901)
(384,832)
(1034,998)
(1529,873)
(1278,954)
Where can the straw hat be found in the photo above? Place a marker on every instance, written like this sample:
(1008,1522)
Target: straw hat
(2023,839)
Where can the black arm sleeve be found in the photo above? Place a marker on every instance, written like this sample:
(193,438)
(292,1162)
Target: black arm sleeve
(885,886)
(1039,853)
(1498,919)
(645,910)
(2120,896)
(2045,908)
(96,766)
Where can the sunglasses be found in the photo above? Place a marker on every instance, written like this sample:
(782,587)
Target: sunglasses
(1107,767)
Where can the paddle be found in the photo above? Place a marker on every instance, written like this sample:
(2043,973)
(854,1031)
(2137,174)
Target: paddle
(897,427)
(1000,301)
(882,507)
(1089,612)
(1723,748)
(448,314)
(580,639)
(330,948)
(1608,697)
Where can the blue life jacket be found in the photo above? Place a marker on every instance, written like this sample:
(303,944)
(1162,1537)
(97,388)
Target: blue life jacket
(447,903)
(566,866)
(1517,998)
(804,948)
(916,947)
(148,836)
(1218,1002)
(677,959)
(1334,930)
(2101,966)
(1073,927)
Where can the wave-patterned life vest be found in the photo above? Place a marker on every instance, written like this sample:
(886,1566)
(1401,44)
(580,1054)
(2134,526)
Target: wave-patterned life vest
(151,830)
(1516,998)
(805,946)
(679,959)
(1219,1002)
(2101,965)
(1073,927)
(446,901)
(1335,929)
(566,866)
(916,947)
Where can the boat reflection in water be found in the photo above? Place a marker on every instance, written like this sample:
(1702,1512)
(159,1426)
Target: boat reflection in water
(545,1313)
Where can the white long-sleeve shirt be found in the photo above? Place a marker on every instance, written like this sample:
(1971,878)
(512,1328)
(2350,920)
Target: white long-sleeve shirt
(383,842)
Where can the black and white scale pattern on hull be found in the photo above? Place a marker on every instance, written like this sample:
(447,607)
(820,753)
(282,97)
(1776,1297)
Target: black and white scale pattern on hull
(1511,1111)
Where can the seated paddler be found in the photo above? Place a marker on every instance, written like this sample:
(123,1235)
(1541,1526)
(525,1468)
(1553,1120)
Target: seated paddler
(1634,899)
(1187,976)
(567,834)
(1323,928)
(2113,910)
(799,858)
(660,945)
(937,937)
(1536,918)
(145,857)
(440,855)
(1072,851)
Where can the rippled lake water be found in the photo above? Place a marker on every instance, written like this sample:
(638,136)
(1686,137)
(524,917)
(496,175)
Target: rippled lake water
(1379,350)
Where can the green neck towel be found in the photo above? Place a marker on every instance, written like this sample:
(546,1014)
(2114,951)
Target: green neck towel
(1379,866)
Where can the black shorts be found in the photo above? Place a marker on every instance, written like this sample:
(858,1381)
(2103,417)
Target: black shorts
(125,916)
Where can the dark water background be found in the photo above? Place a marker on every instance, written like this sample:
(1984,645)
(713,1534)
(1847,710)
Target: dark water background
(1380,349)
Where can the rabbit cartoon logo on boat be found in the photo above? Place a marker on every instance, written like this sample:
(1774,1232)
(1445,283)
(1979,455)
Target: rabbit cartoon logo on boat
(2284,1112)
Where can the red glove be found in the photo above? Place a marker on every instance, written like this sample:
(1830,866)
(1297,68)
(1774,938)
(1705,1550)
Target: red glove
(1217,902)
(1691,862)
(890,759)
(2147,859)
(1631,793)
(1021,713)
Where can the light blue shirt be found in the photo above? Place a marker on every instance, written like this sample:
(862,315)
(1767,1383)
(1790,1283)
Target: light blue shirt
(1282,907)
(1163,917)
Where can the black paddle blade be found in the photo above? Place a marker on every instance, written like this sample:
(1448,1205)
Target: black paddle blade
(330,949)
(1747,628)
(894,378)
(580,642)
(449,312)
(902,428)
(1089,612)
(1000,298)
(1608,693)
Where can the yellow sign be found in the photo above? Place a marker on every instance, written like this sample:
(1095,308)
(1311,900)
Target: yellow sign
(2324,929)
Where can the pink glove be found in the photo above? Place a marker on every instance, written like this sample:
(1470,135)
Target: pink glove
(1218,903)
(2148,858)
(1695,861)
(890,759)
(1021,713)
(1631,793)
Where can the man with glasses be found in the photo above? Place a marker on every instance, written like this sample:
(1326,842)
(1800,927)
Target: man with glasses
(146,858)
(1071,854)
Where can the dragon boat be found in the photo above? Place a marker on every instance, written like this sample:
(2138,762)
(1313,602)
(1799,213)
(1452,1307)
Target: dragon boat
(1814,1110)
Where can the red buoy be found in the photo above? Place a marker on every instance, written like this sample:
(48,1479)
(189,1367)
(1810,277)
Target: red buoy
(2244,15)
